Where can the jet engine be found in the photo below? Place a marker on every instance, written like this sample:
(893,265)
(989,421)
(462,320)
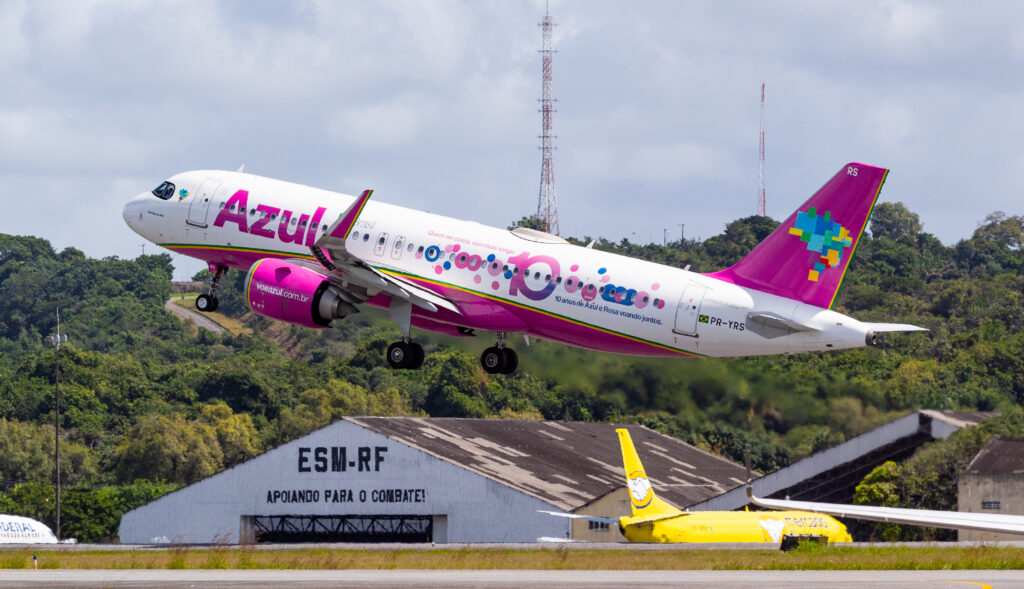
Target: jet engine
(289,292)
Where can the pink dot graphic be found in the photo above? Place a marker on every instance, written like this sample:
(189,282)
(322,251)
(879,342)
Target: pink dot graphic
(656,286)
(574,267)
(477,279)
(495,285)
(438,269)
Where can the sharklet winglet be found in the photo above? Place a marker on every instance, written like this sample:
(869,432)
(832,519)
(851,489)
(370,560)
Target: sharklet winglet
(346,221)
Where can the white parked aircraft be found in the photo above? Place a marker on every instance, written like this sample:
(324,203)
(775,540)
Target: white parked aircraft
(313,256)
(15,529)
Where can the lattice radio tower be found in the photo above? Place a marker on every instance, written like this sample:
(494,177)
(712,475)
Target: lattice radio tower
(547,202)
(760,165)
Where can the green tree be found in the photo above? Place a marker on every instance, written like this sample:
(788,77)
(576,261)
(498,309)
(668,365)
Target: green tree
(169,447)
(893,221)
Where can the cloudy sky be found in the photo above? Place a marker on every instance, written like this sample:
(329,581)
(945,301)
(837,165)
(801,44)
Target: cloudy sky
(434,105)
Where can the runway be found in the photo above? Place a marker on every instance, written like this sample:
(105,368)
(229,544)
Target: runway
(509,579)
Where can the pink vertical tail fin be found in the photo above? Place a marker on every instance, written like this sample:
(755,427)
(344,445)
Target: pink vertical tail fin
(806,257)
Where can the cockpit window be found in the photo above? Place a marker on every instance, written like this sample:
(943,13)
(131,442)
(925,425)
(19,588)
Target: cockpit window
(164,191)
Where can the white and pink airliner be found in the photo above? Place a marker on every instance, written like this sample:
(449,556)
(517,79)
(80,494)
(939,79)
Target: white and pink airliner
(314,256)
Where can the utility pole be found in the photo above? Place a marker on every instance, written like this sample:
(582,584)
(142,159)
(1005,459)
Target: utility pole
(57,340)
(682,233)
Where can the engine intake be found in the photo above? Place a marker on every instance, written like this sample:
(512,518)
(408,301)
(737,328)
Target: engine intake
(288,292)
(871,338)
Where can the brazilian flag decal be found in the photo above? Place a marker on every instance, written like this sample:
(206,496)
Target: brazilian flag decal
(703,318)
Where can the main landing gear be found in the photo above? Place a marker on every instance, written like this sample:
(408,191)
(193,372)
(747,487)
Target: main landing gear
(405,354)
(208,303)
(498,359)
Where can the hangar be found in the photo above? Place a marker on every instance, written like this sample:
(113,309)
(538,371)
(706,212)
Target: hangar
(832,475)
(388,479)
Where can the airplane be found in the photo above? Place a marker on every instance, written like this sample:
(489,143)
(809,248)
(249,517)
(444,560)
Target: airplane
(15,529)
(655,520)
(312,256)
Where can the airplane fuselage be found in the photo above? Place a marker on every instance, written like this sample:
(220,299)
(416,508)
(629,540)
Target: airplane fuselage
(503,281)
(735,526)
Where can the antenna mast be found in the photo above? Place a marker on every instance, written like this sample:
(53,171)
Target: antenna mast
(760,167)
(547,202)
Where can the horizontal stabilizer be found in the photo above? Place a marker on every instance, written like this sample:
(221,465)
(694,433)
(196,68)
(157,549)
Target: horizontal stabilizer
(887,327)
(986,522)
(770,325)
(592,518)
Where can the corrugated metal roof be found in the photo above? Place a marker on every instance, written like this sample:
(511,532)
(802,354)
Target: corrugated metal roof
(998,456)
(831,475)
(563,462)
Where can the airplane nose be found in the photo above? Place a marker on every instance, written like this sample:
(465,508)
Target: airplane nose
(132,212)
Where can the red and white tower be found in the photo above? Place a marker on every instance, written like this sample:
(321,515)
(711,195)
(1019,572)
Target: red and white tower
(760,166)
(547,202)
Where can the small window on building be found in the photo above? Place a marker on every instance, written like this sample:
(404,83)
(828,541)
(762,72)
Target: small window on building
(994,505)
(600,526)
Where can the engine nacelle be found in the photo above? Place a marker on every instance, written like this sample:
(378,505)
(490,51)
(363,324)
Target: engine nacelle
(289,292)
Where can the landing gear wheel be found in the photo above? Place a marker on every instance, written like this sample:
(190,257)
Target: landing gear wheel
(207,303)
(418,355)
(493,360)
(511,360)
(405,355)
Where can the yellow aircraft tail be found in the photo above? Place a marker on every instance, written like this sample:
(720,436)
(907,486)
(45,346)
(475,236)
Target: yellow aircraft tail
(641,493)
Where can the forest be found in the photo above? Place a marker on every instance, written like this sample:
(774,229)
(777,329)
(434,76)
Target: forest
(150,403)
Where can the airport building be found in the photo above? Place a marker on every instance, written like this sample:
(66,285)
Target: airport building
(993,482)
(394,479)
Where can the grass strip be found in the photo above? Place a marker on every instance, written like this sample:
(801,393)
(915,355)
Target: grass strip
(809,557)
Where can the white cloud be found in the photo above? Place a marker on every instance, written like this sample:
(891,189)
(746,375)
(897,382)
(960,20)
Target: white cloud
(382,126)
(436,102)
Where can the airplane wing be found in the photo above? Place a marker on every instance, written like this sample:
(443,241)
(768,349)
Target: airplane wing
(985,522)
(346,269)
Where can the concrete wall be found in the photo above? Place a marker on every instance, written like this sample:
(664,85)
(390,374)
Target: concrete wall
(975,489)
(378,476)
(613,505)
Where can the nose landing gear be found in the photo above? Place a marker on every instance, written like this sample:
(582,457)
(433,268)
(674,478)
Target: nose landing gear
(208,303)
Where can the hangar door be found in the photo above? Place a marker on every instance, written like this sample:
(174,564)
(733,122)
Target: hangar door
(338,528)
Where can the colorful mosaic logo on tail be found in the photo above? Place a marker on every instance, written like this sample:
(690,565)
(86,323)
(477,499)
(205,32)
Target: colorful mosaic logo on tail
(823,236)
